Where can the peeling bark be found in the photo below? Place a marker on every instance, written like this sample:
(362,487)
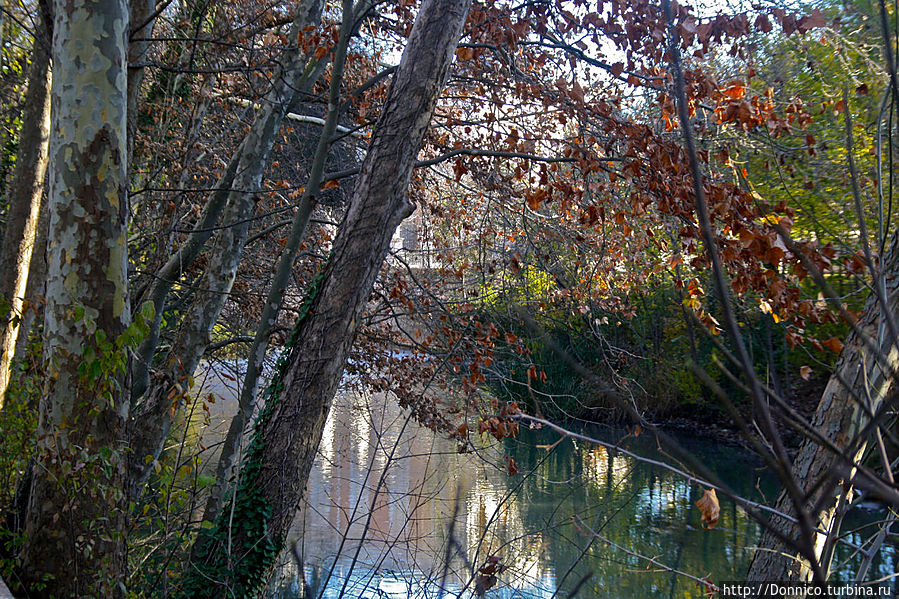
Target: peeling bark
(76,512)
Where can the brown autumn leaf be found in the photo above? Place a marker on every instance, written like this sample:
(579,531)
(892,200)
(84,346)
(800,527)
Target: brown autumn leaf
(833,344)
(805,372)
(735,91)
(577,92)
(465,53)
(332,184)
(708,506)
(763,24)
(813,20)
(320,52)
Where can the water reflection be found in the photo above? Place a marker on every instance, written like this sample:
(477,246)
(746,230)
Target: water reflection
(393,511)
(388,502)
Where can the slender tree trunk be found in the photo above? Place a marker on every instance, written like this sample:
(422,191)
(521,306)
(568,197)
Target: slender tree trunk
(153,416)
(250,387)
(26,193)
(37,280)
(74,532)
(861,383)
(288,431)
(275,106)
(142,22)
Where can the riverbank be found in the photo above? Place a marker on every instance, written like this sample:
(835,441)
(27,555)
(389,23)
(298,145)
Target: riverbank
(711,421)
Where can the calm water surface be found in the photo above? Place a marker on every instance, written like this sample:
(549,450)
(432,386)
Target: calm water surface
(394,511)
(387,498)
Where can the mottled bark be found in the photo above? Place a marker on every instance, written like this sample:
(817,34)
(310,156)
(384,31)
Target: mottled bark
(288,431)
(861,383)
(153,416)
(74,531)
(25,197)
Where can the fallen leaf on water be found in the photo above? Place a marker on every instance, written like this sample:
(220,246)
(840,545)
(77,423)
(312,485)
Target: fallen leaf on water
(708,506)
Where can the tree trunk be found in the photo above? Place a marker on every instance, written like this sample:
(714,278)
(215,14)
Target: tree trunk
(250,387)
(74,531)
(276,105)
(26,193)
(153,416)
(35,291)
(287,433)
(142,22)
(860,378)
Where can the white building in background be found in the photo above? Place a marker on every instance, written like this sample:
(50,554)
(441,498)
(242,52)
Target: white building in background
(408,244)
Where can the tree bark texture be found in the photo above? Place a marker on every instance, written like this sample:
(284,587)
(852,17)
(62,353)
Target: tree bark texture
(25,197)
(861,383)
(249,534)
(153,416)
(74,536)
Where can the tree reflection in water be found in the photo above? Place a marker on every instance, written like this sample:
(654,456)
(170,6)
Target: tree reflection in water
(386,495)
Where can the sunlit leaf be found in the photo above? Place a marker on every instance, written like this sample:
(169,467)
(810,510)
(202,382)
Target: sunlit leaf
(709,508)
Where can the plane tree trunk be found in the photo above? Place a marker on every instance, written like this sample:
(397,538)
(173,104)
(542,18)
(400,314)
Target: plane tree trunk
(74,531)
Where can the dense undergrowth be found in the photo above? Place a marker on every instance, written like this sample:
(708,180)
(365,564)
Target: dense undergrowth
(600,369)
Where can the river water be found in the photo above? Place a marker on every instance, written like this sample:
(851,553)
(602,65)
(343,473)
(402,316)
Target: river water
(394,511)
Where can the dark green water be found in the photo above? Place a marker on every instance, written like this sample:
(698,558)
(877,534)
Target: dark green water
(387,499)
